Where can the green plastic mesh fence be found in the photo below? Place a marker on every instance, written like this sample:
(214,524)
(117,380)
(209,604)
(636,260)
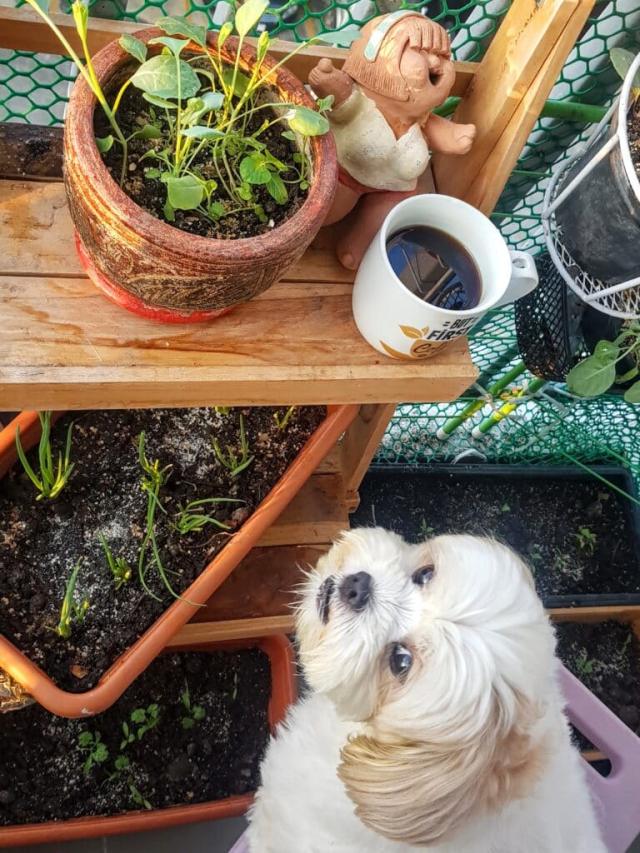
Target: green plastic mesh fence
(551,428)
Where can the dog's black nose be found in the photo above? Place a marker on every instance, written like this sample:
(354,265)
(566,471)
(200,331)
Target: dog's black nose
(355,590)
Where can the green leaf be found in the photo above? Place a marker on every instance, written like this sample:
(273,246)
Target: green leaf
(212,100)
(242,81)
(152,173)
(263,45)
(306,122)
(606,351)
(183,193)
(104,143)
(134,46)
(80,14)
(210,186)
(259,212)
(628,376)
(169,212)
(187,723)
(201,131)
(176,46)
(215,210)
(622,61)
(339,38)
(290,135)
(323,104)
(159,102)
(632,395)
(254,169)
(85,739)
(248,15)
(148,131)
(245,192)
(179,27)
(198,712)
(277,190)
(225,31)
(591,377)
(157,77)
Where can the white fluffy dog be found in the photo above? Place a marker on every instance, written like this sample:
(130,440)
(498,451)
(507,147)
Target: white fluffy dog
(435,721)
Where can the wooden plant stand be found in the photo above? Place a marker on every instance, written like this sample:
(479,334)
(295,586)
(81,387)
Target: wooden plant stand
(63,346)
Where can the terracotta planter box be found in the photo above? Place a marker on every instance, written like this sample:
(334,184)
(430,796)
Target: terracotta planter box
(136,659)
(283,694)
(149,266)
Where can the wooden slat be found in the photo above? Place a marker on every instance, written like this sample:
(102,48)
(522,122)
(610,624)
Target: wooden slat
(23,29)
(619,613)
(265,584)
(524,40)
(485,189)
(360,445)
(240,629)
(317,514)
(63,345)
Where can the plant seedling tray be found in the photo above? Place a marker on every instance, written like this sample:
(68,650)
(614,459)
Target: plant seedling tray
(537,510)
(283,693)
(134,660)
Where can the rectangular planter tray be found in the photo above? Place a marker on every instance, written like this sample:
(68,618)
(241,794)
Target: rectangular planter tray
(620,476)
(136,659)
(283,694)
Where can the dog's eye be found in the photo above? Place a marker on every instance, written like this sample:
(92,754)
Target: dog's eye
(400,660)
(422,575)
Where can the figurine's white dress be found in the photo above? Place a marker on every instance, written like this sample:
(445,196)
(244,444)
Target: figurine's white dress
(368,149)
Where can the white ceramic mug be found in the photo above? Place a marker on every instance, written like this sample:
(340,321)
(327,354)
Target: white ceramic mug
(397,322)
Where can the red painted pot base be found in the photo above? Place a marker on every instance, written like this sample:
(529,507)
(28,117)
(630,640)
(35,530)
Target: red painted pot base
(124,299)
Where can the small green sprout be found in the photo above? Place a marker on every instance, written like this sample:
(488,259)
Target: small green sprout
(584,664)
(536,557)
(426,530)
(96,749)
(118,566)
(561,562)
(282,423)
(142,720)
(231,461)
(70,612)
(53,478)
(152,481)
(137,798)
(222,410)
(586,540)
(193,713)
(192,517)
(505,507)
(120,765)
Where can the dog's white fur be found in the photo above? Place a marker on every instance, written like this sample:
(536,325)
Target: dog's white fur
(470,753)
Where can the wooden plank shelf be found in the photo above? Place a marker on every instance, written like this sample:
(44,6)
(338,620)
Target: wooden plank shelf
(65,346)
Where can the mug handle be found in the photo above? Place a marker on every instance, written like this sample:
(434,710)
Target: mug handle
(524,278)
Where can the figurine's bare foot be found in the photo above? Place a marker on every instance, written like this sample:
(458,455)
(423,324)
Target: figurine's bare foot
(463,136)
(326,80)
(363,225)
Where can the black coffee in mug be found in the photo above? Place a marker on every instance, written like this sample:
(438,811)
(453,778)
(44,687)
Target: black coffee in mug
(435,267)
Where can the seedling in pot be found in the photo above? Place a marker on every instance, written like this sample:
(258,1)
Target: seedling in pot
(234,462)
(193,713)
(586,540)
(426,530)
(193,518)
(71,613)
(622,60)
(584,664)
(118,566)
(137,797)
(208,111)
(52,478)
(595,374)
(222,410)
(152,481)
(282,423)
(96,749)
(142,720)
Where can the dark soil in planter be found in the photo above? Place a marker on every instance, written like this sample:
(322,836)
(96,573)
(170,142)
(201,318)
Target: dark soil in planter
(605,656)
(41,541)
(150,193)
(42,775)
(540,514)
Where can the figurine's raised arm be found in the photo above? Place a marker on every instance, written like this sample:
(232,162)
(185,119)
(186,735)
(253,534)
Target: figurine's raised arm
(326,79)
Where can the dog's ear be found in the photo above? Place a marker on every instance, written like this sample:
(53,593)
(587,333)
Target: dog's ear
(420,793)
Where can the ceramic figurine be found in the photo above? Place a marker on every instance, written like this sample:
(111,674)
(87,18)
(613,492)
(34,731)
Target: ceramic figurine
(396,73)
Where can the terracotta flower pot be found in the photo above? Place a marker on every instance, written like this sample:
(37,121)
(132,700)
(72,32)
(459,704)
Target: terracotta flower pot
(283,694)
(149,266)
(138,657)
